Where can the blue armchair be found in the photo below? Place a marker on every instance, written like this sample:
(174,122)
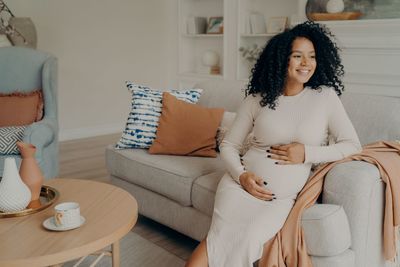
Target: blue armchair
(27,69)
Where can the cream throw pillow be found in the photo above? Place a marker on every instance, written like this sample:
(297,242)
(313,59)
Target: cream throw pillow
(226,123)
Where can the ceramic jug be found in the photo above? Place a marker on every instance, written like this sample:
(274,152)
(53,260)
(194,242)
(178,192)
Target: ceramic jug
(14,193)
(335,6)
(30,172)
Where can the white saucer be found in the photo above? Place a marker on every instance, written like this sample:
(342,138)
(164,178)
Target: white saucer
(50,225)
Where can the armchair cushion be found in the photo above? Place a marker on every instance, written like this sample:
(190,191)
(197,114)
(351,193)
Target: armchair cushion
(20,108)
(8,139)
(326,230)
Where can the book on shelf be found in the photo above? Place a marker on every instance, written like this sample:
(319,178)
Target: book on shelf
(196,25)
(257,23)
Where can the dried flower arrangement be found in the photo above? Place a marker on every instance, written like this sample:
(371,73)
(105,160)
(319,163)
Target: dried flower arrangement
(5,27)
(251,53)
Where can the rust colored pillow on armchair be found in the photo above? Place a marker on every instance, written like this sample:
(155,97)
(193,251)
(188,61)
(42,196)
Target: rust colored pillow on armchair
(20,108)
(186,129)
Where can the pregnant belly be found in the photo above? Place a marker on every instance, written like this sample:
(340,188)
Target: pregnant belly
(285,181)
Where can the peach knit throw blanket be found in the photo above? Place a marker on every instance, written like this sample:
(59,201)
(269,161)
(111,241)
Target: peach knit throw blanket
(288,248)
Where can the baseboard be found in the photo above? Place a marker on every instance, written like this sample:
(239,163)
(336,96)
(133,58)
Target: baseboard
(84,132)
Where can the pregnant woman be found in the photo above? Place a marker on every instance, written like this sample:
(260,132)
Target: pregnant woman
(293,109)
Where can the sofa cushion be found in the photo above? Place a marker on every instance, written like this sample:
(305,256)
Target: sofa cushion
(168,175)
(186,129)
(186,220)
(203,191)
(326,230)
(346,259)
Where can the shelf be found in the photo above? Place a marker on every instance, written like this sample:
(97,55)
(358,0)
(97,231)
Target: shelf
(202,35)
(249,35)
(201,75)
(334,16)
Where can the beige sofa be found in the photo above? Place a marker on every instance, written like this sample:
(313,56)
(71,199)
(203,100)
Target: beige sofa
(346,230)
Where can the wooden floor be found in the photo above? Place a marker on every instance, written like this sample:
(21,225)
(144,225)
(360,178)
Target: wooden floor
(85,159)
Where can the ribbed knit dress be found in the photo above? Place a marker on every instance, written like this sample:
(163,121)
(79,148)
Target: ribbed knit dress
(241,223)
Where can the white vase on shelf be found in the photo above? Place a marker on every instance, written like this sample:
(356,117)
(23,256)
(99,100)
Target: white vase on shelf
(335,6)
(14,194)
(210,59)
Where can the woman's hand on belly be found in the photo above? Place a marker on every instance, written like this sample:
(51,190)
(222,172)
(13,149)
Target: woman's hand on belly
(255,186)
(292,153)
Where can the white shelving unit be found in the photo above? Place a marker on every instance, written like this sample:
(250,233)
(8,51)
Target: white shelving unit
(235,12)
(363,42)
(192,46)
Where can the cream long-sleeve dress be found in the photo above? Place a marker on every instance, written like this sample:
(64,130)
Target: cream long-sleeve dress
(241,223)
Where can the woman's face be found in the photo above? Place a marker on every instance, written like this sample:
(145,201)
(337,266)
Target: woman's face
(302,62)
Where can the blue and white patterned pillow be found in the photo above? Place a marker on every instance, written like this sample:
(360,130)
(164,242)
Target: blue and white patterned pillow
(8,139)
(141,126)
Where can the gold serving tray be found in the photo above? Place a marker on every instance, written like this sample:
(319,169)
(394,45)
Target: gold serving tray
(334,16)
(48,195)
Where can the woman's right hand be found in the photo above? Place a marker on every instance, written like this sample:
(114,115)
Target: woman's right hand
(254,185)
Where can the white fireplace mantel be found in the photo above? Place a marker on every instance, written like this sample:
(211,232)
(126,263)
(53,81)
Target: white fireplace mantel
(367,34)
(371,54)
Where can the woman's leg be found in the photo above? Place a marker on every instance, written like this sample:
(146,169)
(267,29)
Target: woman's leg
(199,256)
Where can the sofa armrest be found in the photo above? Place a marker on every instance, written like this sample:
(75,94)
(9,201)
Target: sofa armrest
(41,133)
(357,186)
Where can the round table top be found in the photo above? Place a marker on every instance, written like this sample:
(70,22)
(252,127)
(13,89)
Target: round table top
(110,213)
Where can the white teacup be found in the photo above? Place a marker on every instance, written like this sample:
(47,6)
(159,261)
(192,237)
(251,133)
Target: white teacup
(67,214)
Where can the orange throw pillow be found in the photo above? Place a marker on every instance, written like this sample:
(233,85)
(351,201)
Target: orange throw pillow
(186,129)
(20,108)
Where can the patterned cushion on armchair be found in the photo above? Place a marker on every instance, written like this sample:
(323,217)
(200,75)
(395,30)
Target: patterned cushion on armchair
(8,139)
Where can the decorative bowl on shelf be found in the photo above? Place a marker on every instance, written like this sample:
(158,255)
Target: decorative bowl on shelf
(48,195)
(334,16)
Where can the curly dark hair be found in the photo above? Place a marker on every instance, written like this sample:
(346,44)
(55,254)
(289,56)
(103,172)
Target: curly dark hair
(270,71)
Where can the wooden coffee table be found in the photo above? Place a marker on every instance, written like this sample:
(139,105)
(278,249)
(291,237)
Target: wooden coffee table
(110,214)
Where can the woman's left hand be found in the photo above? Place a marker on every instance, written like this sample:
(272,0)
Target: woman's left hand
(292,153)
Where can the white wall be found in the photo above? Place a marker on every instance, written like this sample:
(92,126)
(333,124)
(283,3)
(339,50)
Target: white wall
(99,45)
(172,39)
